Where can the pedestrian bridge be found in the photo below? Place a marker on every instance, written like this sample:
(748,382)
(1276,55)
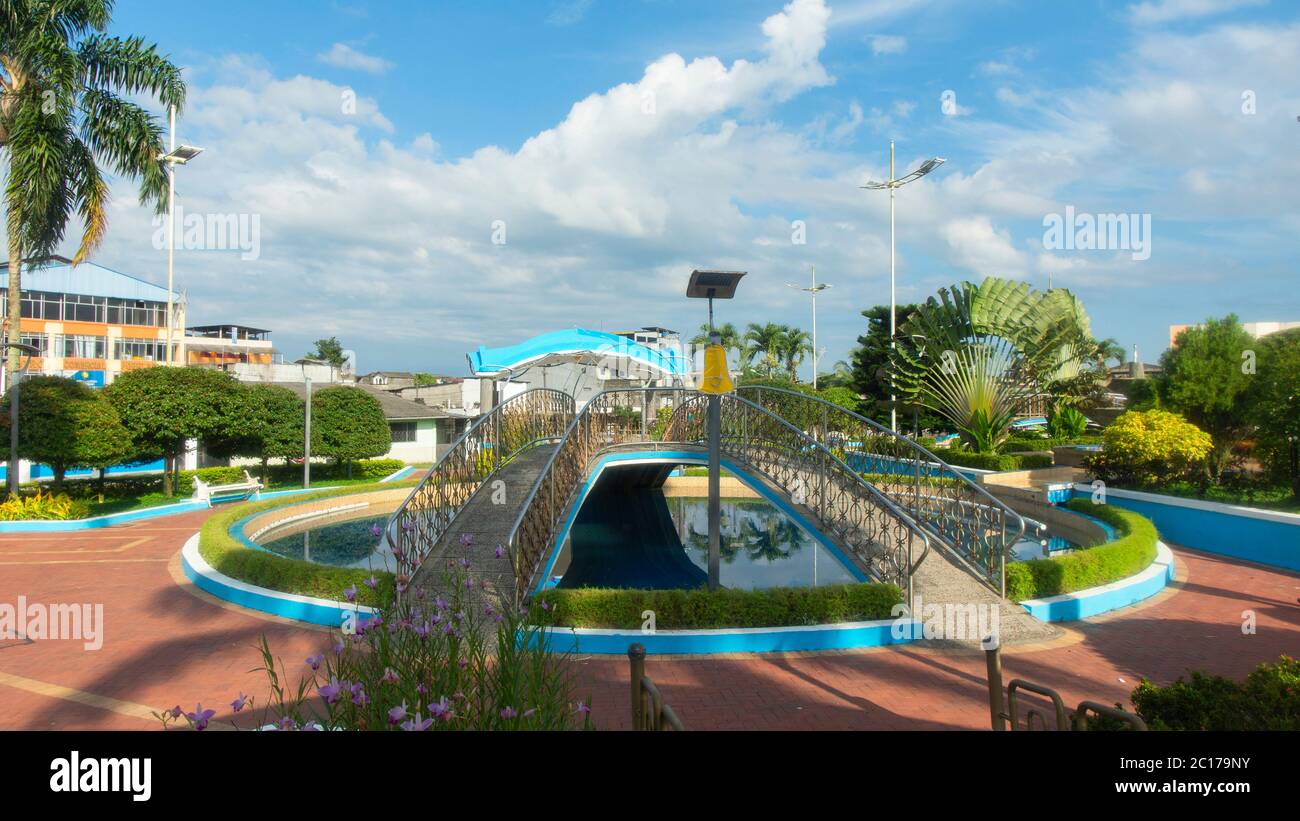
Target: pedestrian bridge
(518,477)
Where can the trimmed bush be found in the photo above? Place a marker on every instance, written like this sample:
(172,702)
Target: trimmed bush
(228,555)
(999,462)
(1269,699)
(1147,446)
(1130,553)
(703,609)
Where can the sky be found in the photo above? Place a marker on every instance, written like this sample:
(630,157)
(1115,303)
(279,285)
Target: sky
(425,177)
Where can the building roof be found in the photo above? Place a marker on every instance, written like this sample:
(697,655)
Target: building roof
(59,275)
(396,409)
(390,374)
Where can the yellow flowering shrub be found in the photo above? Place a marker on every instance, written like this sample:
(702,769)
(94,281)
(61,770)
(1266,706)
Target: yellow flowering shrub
(1150,445)
(41,505)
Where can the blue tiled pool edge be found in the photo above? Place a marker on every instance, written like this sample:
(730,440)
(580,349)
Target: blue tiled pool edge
(846,636)
(1097,600)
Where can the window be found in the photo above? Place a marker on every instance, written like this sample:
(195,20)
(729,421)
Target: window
(79,308)
(148,349)
(40,342)
(84,347)
(403,431)
(39,305)
(136,312)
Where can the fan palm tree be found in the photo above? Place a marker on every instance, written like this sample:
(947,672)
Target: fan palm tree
(794,346)
(764,341)
(66,109)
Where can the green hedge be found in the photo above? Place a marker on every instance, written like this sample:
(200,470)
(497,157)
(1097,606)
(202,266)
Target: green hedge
(228,555)
(1269,699)
(1130,553)
(996,461)
(703,609)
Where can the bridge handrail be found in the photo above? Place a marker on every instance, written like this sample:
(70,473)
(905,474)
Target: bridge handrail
(524,421)
(962,494)
(533,534)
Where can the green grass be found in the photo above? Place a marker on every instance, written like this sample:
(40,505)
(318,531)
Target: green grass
(1275,497)
(700,470)
(1131,552)
(704,609)
(995,461)
(158,498)
(228,555)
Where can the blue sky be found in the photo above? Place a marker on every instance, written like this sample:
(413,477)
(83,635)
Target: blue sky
(621,144)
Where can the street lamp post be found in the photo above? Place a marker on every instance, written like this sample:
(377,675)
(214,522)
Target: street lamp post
(814,289)
(176,155)
(893,185)
(713,285)
(25,354)
(306,436)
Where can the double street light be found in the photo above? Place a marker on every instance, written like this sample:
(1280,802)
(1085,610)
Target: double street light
(893,184)
(813,289)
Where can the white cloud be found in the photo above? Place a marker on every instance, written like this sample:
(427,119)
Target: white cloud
(888,44)
(1165,11)
(342,55)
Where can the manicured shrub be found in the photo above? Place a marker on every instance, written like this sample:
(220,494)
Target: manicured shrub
(1130,553)
(66,424)
(1149,446)
(997,461)
(705,609)
(230,556)
(1269,699)
(42,506)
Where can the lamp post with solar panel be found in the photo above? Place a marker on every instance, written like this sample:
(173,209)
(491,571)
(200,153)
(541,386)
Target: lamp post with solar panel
(176,155)
(713,285)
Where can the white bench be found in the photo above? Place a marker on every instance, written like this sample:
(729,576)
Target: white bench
(204,492)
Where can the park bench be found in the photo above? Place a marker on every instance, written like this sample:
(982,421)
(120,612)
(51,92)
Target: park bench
(204,492)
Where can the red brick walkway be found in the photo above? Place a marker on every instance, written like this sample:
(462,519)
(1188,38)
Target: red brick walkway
(166,644)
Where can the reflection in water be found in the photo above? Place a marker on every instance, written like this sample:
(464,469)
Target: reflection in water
(350,543)
(761,546)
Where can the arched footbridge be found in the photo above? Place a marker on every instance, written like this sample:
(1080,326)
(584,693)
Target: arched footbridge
(518,476)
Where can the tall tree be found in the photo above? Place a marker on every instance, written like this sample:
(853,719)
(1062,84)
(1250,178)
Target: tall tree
(731,339)
(764,342)
(1207,376)
(272,422)
(348,424)
(794,345)
(65,424)
(1275,405)
(329,350)
(162,408)
(870,361)
(67,115)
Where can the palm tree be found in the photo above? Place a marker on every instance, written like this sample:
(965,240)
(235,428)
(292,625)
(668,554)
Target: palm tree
(731,340)
(65,110)
(795,344)
(764,341)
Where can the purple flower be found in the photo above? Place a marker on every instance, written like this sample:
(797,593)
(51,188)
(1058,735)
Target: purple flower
(286,723)
(238,704)
(314,662)
(390,676)
(338,648)
(501,551)
(360,698)
(330,692)
(441,709)
(422,630)
(421,689)
(546,605)
(415,725)
(350,592)
(407,527)
(466,539)
(464,563)
(441,604)
(200,717)
(176,712)
(583,709)
(396,714)
(509,713)
(371,582)
(376,530)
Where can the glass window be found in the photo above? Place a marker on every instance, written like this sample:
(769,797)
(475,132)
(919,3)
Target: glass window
(147,349)
(84,347)
(40,342)
(403,431)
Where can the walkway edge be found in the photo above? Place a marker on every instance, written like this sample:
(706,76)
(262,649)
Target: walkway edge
(286,605)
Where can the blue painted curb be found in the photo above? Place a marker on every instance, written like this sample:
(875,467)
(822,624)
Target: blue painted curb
(122,518)
(1097,600)
(287,605)
(846,636)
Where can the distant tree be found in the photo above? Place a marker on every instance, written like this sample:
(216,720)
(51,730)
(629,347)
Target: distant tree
(1275,405)
(1109,350)
(65,424)
(163,407)
(271,427)
(329,350)
(1207,375)
(839,376)
(348,424)
(869,363)
(424,380)
(764,342)
(793,346)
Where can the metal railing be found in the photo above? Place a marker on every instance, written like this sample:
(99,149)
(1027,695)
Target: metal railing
(522,422)
(971,523)
(611,418)
(648,709)
(1005,713)
(879,532)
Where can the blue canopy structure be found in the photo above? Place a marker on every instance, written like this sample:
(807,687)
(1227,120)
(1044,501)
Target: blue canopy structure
(577,346)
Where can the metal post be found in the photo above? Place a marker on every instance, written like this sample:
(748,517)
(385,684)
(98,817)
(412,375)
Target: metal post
(893,400)
(645,411)
(715,491)
(636,661)
(993,656)
(13,473)
(306,440)
(171,232)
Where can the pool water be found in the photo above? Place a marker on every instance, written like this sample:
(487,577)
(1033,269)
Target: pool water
(338,543)
(761,547)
